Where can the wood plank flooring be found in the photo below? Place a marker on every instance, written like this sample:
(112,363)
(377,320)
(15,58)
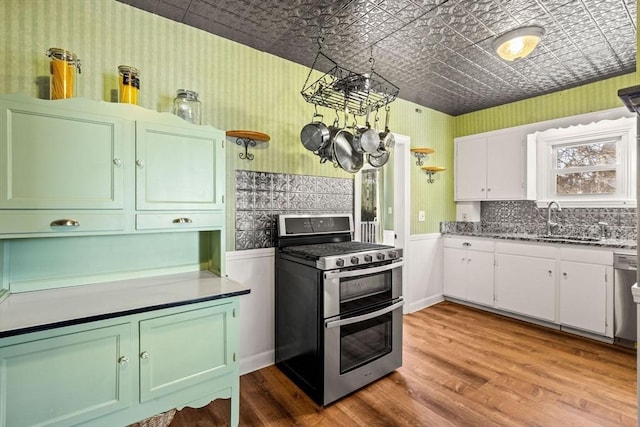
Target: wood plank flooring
(461,367)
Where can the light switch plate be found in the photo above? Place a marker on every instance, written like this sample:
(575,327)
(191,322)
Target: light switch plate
(421,216)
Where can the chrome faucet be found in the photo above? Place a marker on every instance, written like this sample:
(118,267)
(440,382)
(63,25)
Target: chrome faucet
(549,223)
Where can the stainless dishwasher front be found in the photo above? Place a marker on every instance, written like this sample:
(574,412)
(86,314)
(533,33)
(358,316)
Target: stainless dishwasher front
(624,309)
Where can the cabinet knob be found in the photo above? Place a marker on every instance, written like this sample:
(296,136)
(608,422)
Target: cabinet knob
(117,162)
(488,189)
(550,273)
(123,360)
(564,274)
(144,355)
(482,189)
(140,163)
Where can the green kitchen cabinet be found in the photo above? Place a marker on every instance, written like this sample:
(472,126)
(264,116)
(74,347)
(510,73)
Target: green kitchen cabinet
(67,378)
(91,167)
(60,171)
(122,370)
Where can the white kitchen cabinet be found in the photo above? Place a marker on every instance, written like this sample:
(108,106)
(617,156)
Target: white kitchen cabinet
(586,290)
(468,270)
(493,166)
(525,280)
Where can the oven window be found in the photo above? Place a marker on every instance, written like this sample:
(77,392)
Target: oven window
(367,289)
(363,342)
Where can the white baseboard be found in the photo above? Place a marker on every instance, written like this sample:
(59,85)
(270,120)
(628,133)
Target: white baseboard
(256,361)
(424,303)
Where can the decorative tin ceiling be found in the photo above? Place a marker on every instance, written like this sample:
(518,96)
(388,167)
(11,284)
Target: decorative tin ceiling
(438,52)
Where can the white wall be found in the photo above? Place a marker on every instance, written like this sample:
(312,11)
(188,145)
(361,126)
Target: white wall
(256,269)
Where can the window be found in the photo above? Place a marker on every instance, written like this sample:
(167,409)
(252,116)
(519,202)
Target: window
(587,165)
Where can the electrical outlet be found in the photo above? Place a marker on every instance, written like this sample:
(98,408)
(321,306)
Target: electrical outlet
(421,216)
(390,210)
(465,218)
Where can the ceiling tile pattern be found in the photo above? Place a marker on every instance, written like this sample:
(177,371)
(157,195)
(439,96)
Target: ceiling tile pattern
(438,52)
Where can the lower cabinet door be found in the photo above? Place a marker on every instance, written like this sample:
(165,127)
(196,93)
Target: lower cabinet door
(455,273)
(67,379)
(480,277)
(526,285)
(583,296)
(180,350)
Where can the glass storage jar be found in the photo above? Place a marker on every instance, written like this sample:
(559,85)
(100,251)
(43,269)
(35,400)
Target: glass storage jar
(129,84)
(63,66)
(187,106)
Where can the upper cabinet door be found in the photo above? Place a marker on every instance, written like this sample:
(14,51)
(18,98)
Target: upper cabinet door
(471,169)
(59,159)
(505,166)
(179,168)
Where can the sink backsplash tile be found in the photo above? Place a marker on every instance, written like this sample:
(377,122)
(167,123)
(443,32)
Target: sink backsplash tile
(524,217)
(261,196)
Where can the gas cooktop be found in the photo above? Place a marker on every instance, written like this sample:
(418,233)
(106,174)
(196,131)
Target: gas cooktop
(329,256)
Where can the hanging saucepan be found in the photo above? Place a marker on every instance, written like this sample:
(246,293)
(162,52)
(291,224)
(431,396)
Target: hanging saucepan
(378,160)
(387,140)
(326,152)
(344,153)
(366,140)
(315,135)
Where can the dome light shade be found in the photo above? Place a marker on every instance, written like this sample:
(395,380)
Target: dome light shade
(518,43)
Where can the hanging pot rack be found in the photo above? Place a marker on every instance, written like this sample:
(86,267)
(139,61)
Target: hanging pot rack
(340,89)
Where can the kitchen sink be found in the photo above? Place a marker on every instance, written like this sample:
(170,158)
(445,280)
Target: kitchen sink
(559,238)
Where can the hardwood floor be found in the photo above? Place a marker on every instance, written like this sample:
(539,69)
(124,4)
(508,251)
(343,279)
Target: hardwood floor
(461,367)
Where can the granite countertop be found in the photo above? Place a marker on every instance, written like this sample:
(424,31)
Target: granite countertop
(565,240)
(40,310)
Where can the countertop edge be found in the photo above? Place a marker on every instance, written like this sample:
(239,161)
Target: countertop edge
(606,243)
(36,311)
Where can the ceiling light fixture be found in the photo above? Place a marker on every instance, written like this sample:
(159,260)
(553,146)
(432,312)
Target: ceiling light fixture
(518,43)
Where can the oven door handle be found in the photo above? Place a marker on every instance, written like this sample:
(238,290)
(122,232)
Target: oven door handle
(361,271)
(363,317)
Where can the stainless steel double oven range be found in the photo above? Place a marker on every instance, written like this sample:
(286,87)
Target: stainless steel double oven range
(338,306)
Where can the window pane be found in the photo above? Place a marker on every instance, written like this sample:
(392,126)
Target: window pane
(594,154)
(595,182)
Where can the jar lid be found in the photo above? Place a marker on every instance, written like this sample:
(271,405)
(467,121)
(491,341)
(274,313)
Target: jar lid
(189,94)
(128,69)
(62,54)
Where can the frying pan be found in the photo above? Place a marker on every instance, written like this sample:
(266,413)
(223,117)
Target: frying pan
(366,140)
(345,154)
(315,135)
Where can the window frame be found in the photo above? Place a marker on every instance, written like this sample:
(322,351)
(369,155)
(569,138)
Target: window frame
(622,131)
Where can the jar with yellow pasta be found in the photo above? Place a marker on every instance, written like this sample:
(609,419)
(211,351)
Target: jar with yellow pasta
(129,84)
(63,66)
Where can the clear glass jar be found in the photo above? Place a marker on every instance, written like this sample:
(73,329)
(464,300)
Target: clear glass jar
(63,67)
(129,84)
(187,106)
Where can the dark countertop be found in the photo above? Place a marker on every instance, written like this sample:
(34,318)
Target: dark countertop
(47,309)
(605,243)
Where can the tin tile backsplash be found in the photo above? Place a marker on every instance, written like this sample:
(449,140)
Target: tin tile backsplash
(261,196)
(523,216)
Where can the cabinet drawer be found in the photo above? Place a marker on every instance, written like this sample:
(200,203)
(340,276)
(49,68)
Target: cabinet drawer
(179,221)
(527,249)
(469,243)
(30,222)
(588,256)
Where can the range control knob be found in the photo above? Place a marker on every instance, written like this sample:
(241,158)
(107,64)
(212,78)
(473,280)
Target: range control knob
(380,256)
(368,258)
(340,262)
(393,254)
(354,260)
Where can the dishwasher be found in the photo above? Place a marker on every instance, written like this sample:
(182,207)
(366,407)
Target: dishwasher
(624,309)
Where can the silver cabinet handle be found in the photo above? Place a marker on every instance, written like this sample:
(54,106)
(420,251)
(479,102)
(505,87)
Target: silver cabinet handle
(351,273)
(144,355)
(117,162)
(182,221)
(362,318)
(123,360)
(140,163)
(64,223)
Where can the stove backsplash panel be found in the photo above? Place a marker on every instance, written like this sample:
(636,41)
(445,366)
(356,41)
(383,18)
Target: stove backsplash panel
(524,217)
(261,196)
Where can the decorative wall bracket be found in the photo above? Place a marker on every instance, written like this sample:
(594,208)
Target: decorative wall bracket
(420,153)
(247,139)
(431,170)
